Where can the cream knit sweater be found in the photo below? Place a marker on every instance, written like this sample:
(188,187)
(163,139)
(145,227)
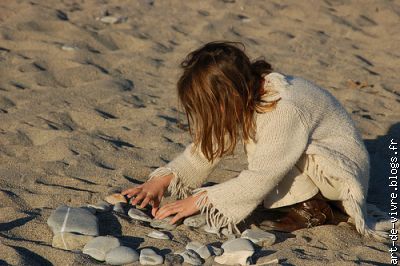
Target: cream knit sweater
(307,119)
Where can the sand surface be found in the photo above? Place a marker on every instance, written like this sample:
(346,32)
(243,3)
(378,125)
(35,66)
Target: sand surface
(87,106)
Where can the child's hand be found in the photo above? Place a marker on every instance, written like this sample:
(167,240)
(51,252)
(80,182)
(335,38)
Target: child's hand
(150,192)
(182,208)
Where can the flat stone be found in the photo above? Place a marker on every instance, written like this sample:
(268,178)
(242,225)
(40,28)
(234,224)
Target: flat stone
(121,255)
(158,235)
(173,259)
(150,257)
(139,215)
(101,206)
(216,251)
(236,251)
(115,198)
(98,247)
(110,20)
(163,224)
(68,48)
(73,220)
(195,221)
(199,248)
(120,207)
(70,241)
(226,233)
(190,256)
(259,237)
(211,230)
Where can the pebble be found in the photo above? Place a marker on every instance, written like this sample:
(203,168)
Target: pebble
(199,248)
(68,48)
(98,247)
(173,259)
(121,255)
(236,251)
(163,224)
(150,257)
(110,20)
(195,221)
(115,198)
(217,251)
(190,256)
(158,235)
(226,233)
(120,207)
(73,220)
(70,241)
(139,215)
(101,206)
(211,230)
(259,237)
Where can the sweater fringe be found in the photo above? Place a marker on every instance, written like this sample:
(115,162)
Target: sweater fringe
(354,203)
(176,187)
(214,218)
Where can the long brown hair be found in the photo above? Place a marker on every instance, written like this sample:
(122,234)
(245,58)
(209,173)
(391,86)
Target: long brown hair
(220,90)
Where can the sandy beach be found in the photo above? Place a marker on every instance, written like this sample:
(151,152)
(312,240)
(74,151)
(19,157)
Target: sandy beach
(88,104)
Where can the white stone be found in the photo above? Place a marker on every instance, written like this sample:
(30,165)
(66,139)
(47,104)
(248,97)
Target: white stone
(260,237)
(150,257)
(190,256)
(139,215)
(195,221)
(121,255)
(199,248)
(98,247)
(236,251)
(163,224)
(158,235)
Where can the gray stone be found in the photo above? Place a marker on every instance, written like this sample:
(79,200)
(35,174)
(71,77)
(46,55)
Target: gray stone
(236,251)
(139,215)
(73,220)
(260,237)
(158,235)
(120,207)
(216,251)
(190,256)
(98,247)
(101,206)
(211,230)
(163,224)
(121,255)
(70,241)
(226,233)
(173,259)
(199,248)
(150,257)
(195,221)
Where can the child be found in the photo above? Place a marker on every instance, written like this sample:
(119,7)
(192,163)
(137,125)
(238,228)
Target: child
(299,140)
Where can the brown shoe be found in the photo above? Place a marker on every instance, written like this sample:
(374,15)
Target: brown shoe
(306,214)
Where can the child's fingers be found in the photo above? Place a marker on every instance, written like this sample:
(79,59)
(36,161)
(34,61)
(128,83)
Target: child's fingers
(154,211)
(176,218)
(169,212)
(139,198)
(145,201)
(131,191)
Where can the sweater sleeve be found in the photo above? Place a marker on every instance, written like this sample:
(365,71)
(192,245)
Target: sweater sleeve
(190,169)
(282,137)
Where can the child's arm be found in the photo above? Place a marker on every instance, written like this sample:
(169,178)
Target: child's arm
(282,139)
(189,171)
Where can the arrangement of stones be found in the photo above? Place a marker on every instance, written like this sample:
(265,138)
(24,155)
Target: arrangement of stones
(76,228)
